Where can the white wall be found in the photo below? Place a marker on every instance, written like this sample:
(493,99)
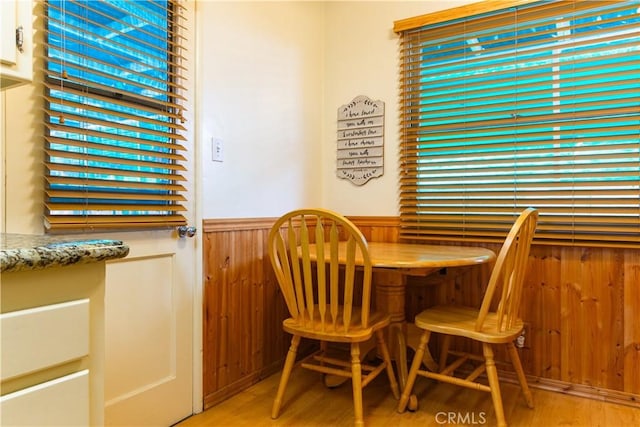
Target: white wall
(261,92)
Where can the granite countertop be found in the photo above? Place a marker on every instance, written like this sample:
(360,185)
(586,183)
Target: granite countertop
(22,252)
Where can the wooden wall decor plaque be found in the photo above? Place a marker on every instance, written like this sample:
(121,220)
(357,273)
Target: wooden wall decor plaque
(360,140)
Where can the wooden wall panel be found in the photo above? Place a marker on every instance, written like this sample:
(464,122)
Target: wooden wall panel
(243,309)
(581,307)
(631,341)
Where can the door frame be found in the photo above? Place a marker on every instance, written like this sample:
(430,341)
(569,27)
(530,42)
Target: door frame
(198,289)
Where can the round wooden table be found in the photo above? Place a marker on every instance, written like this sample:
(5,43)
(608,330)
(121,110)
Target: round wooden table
(392,262)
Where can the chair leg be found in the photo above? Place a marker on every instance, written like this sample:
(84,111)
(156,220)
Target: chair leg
(494,383)
(413,372)
(444,353)
(356,380)
(517,366)
(284,378)
(386,357)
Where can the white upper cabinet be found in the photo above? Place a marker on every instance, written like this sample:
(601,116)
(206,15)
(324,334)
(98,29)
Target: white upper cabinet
(16,44)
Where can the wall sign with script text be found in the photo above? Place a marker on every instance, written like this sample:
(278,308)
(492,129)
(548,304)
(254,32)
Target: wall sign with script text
(361,140)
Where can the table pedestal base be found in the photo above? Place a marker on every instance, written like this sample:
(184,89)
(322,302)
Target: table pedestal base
(390,294)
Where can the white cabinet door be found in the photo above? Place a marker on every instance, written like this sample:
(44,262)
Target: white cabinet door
(8,17)
(16,63)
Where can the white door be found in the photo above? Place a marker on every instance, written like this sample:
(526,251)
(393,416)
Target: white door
(149,331)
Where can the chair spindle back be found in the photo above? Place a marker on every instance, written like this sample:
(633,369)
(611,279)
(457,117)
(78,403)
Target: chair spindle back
(509,271)
(322,302)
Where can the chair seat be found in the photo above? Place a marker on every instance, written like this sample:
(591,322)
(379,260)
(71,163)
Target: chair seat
(356,333)
(461,321)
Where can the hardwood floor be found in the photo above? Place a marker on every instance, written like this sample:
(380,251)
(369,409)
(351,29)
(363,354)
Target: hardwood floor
(308,403)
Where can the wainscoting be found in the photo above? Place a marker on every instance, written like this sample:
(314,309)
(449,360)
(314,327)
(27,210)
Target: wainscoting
(581,307)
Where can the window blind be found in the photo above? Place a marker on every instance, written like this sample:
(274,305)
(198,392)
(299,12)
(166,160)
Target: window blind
(114,96)
(533,105)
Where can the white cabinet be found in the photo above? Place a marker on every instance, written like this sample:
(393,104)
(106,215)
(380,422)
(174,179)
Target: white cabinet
(52,340)
(16,42)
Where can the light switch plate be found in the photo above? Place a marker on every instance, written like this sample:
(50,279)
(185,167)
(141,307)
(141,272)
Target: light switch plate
(217,148)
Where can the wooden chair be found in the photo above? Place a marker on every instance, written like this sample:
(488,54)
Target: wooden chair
(322,298)
(501,326)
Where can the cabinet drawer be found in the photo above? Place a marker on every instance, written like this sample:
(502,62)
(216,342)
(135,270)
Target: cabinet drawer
(41,337)
(60,402)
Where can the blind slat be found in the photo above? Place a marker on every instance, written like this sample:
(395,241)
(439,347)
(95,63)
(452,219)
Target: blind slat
(107,136)
(97,183)
(88,160)
(114,195)
(111,173)
(105,147)
(121,207)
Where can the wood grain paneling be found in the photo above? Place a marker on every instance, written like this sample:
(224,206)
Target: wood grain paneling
(581,307)
(631,340)
(243,309)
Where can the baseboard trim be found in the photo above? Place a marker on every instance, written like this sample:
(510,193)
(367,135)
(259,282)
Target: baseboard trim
(579,390)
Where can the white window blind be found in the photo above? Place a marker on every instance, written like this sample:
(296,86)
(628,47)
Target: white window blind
(534,105)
